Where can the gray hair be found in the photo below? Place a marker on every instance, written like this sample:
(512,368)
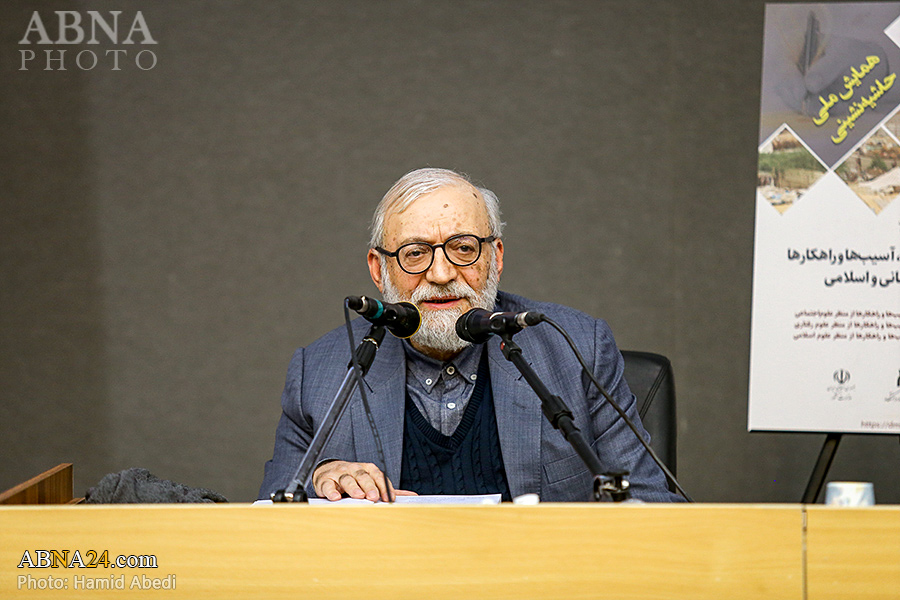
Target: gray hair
(420,182)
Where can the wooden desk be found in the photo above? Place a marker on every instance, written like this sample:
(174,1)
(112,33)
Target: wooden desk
(53,486)
(853,552)
(293,551)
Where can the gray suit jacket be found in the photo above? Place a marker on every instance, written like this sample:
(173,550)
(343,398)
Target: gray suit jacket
(537,458)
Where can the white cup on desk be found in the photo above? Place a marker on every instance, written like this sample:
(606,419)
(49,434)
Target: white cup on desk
(849,493)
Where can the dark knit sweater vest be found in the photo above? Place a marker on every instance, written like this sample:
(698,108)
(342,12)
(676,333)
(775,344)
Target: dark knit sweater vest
(467,462)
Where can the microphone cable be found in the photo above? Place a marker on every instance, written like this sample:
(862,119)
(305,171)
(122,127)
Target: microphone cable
(362,391)
(618,408)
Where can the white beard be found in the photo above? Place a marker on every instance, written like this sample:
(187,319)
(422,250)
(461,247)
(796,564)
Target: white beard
(438,329)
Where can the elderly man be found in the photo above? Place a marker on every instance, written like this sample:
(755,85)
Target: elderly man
(456,418)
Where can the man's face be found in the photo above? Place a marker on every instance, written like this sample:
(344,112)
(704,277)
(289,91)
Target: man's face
(445,291)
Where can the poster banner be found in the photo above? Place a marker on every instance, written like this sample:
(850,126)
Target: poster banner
(825,336)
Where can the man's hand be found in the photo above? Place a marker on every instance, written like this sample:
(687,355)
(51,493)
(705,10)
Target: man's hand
(357,480)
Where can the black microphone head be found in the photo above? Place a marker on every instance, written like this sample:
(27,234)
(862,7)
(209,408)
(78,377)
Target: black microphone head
(473,326)
(355,302)
(531,318)
(370,308)
(403,319)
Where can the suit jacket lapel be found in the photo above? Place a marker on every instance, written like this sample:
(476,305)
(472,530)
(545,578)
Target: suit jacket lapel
(519,416)
(386,393)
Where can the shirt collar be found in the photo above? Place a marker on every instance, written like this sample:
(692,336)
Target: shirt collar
(427,371)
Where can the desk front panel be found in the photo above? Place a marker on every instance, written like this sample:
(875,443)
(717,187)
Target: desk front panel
(546,551)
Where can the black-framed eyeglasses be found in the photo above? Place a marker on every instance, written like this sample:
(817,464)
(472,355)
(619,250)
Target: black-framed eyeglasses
(462,250)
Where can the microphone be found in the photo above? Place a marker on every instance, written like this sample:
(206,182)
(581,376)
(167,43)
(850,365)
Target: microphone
(477,325)
(401,319)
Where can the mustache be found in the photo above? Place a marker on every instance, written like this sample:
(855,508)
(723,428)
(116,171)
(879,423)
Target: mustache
(456,289)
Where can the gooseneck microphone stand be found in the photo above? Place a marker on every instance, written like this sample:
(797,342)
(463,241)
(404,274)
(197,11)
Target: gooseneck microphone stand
(611,486)
(365,355)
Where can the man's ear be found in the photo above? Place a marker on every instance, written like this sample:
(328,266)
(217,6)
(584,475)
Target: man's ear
(498,256)
(374,261)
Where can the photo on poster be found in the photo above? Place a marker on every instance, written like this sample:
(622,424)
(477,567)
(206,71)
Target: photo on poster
(787,169)
(873,170)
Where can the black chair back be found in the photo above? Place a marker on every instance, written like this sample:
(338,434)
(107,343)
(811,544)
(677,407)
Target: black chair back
(651,380)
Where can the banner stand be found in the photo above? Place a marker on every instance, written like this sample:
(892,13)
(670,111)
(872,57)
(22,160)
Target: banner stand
(820,471)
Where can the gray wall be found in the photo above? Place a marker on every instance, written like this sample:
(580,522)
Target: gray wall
(169,236)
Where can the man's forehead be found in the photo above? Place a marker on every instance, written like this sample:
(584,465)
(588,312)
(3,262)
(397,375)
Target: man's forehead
(448,206)
(461,192)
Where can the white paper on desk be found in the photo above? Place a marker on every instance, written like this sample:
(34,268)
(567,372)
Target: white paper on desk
(442,499)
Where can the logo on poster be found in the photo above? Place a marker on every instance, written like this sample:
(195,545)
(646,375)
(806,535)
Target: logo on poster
(92,29)
(841,392)
(842,376)
(894,395)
